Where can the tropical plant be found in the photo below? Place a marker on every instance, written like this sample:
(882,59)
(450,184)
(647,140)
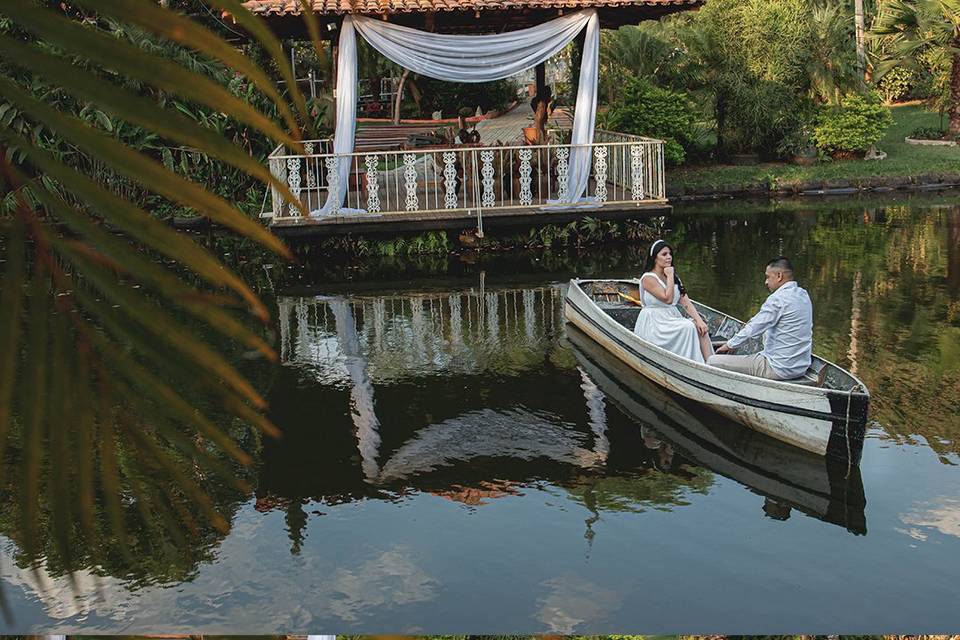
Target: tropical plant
(643,109)
(636,52)
(856,123)
(116,405)
(754,58)
(449,97)
(896,84)
(919,30)
(832,63)
(928,133)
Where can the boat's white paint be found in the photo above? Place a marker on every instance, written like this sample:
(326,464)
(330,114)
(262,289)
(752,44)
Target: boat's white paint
(765,465)
(682,375)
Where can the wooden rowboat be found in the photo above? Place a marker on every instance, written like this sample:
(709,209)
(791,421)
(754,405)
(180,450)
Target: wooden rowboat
(824,411)
(787,477)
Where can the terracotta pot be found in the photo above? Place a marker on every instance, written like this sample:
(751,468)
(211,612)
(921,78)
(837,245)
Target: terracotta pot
(531,135)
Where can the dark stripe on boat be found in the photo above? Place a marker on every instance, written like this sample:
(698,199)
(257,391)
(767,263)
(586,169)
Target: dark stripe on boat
(753,402)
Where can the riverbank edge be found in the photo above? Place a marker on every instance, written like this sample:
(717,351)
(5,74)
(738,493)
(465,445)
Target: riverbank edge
(836,186)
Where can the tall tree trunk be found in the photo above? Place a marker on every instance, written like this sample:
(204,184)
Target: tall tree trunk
(954,107)
(861,50)
(397,99)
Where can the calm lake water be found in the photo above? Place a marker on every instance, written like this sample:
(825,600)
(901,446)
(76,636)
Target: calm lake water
(455,459)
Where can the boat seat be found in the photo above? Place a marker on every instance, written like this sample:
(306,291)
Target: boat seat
(811,378)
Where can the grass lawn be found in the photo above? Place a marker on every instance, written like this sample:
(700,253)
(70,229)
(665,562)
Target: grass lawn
(903,160)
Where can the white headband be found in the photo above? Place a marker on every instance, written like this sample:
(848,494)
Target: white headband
(654,245)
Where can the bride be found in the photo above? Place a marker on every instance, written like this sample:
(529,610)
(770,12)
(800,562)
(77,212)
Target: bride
(660,322)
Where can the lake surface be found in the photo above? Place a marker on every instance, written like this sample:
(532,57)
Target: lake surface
(455,459)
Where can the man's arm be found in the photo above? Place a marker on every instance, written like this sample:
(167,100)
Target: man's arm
(767,316)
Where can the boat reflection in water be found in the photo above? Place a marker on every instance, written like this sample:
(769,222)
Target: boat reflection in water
(473,395)
(787,477)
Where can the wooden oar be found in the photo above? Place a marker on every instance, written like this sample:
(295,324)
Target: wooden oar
(630,299)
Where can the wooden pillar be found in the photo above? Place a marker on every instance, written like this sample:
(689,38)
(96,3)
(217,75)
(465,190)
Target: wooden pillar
(542,100)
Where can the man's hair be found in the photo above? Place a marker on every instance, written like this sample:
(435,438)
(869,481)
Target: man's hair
(783,264)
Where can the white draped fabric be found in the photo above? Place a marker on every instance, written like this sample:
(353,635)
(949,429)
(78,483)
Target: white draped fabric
(466,58)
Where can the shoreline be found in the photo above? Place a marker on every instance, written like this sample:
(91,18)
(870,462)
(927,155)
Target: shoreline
(813,188)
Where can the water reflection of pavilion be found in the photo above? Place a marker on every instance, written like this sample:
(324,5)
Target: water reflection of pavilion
(472,395)
(455,332)
(443,340)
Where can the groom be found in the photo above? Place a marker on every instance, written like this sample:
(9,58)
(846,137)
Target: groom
(787,320)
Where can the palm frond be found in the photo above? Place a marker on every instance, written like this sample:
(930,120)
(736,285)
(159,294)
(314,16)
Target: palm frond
(118,403)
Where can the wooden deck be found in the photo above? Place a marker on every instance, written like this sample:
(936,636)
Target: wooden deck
(460,220)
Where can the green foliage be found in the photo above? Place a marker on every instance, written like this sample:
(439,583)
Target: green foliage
(759,115)
(646,110)
(760,65)
(858,122)
(798,142)
(896,84)
(123,424)
(903,161)
(924,35)
(450,97)
(928,133)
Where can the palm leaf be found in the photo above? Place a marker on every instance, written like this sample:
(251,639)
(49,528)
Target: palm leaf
(140,168)
(11,301)
(136,222)
(137,110)
(135,63)
(172,26)
(149,272)
(114,402)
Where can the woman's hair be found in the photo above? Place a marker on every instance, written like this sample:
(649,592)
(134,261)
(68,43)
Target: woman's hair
(655,248)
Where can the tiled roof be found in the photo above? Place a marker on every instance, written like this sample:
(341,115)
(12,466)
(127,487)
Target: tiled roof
(293,7)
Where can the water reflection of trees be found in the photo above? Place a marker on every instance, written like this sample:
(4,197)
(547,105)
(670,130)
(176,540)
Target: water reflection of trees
(885,282)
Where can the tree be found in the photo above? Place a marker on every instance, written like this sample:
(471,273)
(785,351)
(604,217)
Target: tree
(917,28)
(115,402)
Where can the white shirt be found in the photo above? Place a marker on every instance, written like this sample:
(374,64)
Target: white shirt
(786,319)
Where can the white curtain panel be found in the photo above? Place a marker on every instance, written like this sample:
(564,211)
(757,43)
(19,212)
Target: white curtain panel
(466,58)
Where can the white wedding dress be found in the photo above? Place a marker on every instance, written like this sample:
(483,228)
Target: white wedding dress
(663,325)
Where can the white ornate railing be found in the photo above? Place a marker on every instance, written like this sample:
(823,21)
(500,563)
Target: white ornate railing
(626,170)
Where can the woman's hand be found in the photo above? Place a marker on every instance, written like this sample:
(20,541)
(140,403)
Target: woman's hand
(701,326)
(668,272)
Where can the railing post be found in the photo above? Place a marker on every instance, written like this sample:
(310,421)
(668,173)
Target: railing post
(293,179)
(278,171)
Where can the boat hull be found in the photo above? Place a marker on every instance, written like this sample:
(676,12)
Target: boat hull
(809,418)
(816,485)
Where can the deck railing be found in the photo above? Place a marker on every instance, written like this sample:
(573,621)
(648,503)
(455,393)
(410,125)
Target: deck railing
(626,170)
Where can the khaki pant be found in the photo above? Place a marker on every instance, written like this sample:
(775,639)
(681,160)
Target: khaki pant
(755,365)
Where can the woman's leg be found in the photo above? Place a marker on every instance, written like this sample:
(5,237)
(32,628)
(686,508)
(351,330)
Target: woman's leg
(706,347)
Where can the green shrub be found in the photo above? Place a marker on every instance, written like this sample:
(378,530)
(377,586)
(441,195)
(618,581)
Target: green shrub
(929,133)
(896,84)
(760,115)
(858,122)
(450,97)
(645,110)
